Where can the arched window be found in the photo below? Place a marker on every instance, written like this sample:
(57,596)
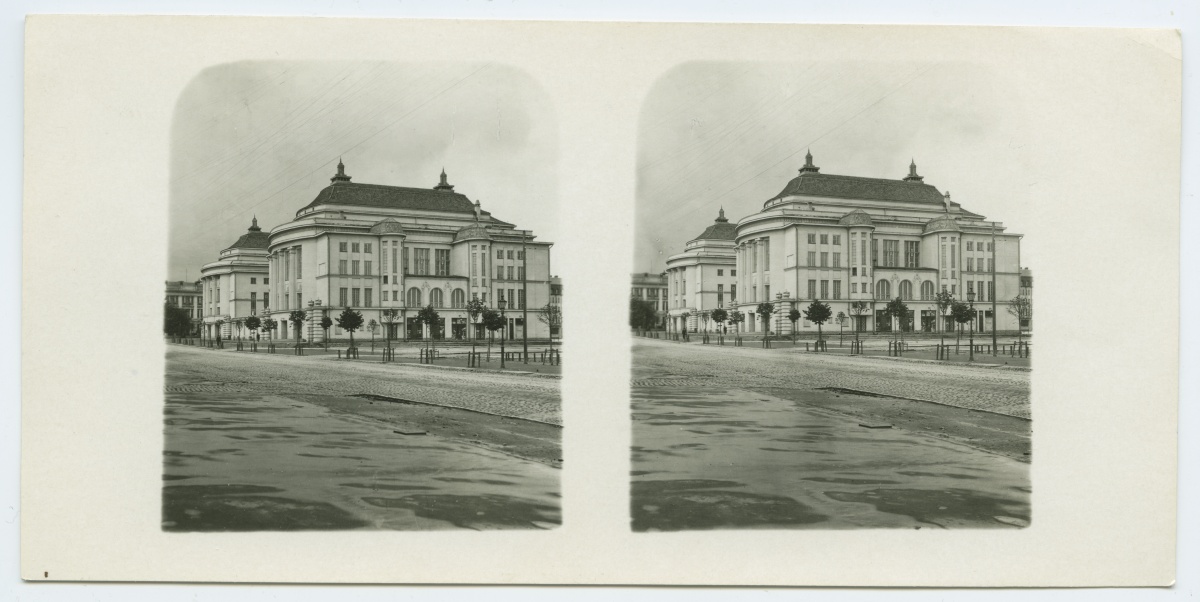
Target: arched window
(927,290)
(883,290)
(435,298)
(414,297)
(905,290)
(458,299)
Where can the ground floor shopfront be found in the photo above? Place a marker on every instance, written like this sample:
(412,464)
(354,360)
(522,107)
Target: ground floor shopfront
(452,324)
(922,317)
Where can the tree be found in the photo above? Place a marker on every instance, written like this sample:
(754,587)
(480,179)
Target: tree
(176,321)
(793,317)
(898,310)
(858,309)
(297,317)
(429,317)
(475,308)
(841,320)
(719,316)
(944,302)
(642,314)
(270,326)
(388,316)
(350,321)
(818,313)
(736,318)
(372,326)
(550,315)
(764,311)
(961,313)
(492,321)
(1021,307)
(253,323)
(326,322)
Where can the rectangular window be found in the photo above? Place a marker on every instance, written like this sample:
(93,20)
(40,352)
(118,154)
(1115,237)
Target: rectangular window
(354,269)
(405,260)
(837,260)
(824,239)
(520,299)
(766,292)
(891,253)
(299,301)
(766,256)
(366,268)
(520,272)
(499,272)
(853,287)
(510,254)
(383,295)
(354,247)
(812,239)
(874,253)
(837,289)
(521,255)
(254,281)
(266,281)
(367,300)
(253,302)
(342,267)
(852,249)
(499,254)
(393,258)
(422,262)
(970,264)
(510,272)
(733,272)
(366,247)
(970,287)
(912,254)
(266,301)
(720,272)
(812,289)
(970,246)
(991,291)
(299,264)
(824,259)
(837,239)
(720,295)
(342,247)
(383,261)
(991,265)
(355,297)
(733,293)
(443,262)
(385,279)
(824,289)
(812,259)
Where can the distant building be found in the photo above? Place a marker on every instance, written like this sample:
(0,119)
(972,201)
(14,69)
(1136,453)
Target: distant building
(847,239)
(556,292)
(703,277)
(236,286)
(1027,292)
(188,296)
(652,288)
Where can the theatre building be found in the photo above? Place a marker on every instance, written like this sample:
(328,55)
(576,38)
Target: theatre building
(372,247)
(846,239)
(235,286)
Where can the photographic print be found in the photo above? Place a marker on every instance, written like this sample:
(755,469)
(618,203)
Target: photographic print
(824,336)
(361,317)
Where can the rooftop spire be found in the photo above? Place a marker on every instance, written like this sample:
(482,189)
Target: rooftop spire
(254,225)
(341,173)
(808,164)
(443,184)
(721,216)
(946,201)
(912,172)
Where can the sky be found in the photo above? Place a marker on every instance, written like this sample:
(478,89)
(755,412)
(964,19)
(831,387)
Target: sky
(263,138)
(733,134)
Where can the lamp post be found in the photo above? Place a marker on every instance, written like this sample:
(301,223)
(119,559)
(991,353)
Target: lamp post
(971,302)
(503,333)
(779,316)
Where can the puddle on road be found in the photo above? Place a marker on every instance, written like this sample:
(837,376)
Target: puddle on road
(771,463)
(245,462)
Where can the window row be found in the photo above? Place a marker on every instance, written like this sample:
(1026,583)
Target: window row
(355,247)
(837,239)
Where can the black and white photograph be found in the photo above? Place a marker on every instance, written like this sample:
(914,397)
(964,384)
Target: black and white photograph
(362,321)
(825,337)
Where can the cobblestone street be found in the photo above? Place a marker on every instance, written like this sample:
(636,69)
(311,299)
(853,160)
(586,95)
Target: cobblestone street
(993,389)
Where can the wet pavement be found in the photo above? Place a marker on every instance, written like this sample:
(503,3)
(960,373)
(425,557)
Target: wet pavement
(244,460)
(712,457)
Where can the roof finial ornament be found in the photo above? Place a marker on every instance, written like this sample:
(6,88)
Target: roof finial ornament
(254,224)
(442,183)
(341,173)
(912,172)
(808,164)
(946,200)
(721,215)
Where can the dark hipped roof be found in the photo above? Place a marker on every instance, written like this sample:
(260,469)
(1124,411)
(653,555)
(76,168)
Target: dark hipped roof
(854,187)
(254,238)
(720,230)
(392,197)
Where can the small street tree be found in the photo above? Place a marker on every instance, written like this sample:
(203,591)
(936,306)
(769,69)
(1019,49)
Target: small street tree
(841,320)
(764,311)
(1021,307)
(961,313)
(719,316)
(430,318)
(297,318)
(551,315)
(944,303)
(176,321)
(270,326)
(326,322)
(350,321)
(897,309)
(475,309)
(253,324)
(858,309)
(372,326)
(793,317)
(492,321)
(818,313)
(641,314)
(388,316)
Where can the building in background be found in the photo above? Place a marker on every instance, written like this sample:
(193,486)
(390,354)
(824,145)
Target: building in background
(187,296)
(556,291)
(846,239)
(372,247)
(652,288)
(1027,292)
(703,277)
(236,286)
